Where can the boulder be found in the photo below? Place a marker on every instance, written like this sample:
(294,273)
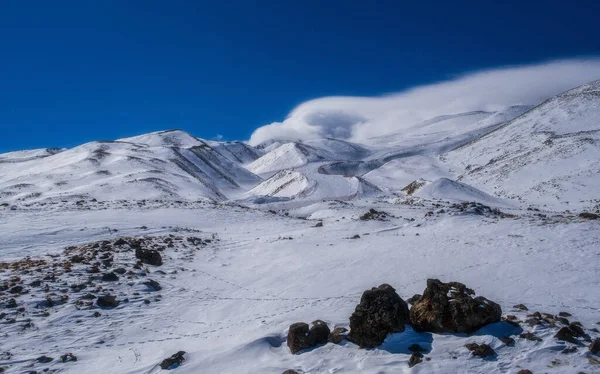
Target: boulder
(415,358)
(107,301)
(451,308)
(149,256)
(300,337)
(173,361)
(152,284)
(480,350)
(110,277)
(380,312)
(568,334)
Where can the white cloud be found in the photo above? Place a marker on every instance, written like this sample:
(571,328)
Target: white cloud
(358,118)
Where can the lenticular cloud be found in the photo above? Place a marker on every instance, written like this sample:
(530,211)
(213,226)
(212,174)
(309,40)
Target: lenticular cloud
(359,118)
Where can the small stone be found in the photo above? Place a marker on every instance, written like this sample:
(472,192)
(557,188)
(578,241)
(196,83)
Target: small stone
(16,290)
(149,256)
(530,336)
(415,359)
(520,307)
(480,350)
(69,357)
(44,359)
(107,301)
(290,371)
(524,371)
(569,350)
(173,361)
(152,284)
(508,341)
(110,277)
(564,314)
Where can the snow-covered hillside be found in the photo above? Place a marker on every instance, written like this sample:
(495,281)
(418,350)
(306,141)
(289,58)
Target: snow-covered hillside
(549,156)
(170,165)
(166,251)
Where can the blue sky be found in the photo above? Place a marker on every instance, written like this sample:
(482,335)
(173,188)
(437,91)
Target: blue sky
(77,71)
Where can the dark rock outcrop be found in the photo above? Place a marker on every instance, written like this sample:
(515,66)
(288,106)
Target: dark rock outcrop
(148,256)
(480,350)
(152,284)
(110,277)
(450,308)
(173,361)
(380,312)
(107,301)
(300,337)
(415,358)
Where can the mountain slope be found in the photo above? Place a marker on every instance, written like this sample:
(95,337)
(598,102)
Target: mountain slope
(164,165)
(549,155)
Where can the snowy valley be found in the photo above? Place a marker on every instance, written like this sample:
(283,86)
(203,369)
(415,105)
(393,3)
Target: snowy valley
(116,255)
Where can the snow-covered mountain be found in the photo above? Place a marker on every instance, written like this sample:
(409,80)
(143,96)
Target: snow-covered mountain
(168,165)
(548,156)
(545,155)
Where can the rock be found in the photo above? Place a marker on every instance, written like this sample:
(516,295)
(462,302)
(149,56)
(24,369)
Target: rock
(520,307)
(318,333)
(586,215)
(338,335)
(301,337)
(524,371)
(380,312)
(567,334)
(44,359)
(152,284)
(120,271)
(173,361)
(110,277)
(290,371)
(355,237)
(16,290)
(107,301)
(373,214)
(564,314)
(149,256)
(595,346)
(121,241)
(450,308)
(508,341)
(319,224)
(480,350)
(530,336)
(569,350)
(415,358)
(562,320)
(69,357)
(11,303)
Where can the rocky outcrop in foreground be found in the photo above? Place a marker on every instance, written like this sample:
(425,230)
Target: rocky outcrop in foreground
(380,312)
(451,308)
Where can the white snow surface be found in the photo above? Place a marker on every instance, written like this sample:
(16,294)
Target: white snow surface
(228,304)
